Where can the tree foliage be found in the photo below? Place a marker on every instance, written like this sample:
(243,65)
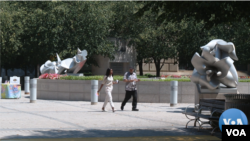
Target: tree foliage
(212,13)
(47,28)
(156,41)
(11,29)
(193,35)
(33,32)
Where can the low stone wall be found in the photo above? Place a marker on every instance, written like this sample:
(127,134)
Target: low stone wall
(155,92)
(242,88)
(148,91)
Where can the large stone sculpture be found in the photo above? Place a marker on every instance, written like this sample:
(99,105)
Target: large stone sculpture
(215,65)
(69,65)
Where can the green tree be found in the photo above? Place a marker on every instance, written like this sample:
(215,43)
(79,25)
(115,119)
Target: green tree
(237,33)
(61,27)
(127,27)
(156,41)
(191,36)
(212,13)
(10,31)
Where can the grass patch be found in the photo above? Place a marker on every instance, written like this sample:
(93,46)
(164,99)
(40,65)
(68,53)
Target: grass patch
(96,77)
(142,78)
(138,76)
(168,79)
(120,78)
(81,78)
(244,80)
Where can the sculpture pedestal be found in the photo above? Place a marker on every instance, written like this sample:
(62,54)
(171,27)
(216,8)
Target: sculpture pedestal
(201,93)
(72,74)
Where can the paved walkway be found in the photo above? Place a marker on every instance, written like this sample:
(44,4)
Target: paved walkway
(20,119)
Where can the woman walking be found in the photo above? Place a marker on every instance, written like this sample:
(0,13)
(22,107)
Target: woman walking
(108,82)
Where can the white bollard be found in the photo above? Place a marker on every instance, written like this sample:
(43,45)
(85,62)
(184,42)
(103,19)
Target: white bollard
(174,93)
(0,87)
(27,85)
(33,90)
(94,89)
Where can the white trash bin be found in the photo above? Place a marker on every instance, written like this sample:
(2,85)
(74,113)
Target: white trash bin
(27,85)
(33,90)
(0,87)
(174,94)
(94,89)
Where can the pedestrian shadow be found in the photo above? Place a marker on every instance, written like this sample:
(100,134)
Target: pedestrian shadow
(106,111)
(95,111)
(174,111)
(168,107)
(179,110)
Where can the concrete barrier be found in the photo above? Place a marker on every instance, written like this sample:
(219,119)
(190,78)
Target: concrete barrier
(148,92)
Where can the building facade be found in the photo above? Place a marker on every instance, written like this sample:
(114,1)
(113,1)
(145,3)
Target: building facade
(169,66)
(126,57)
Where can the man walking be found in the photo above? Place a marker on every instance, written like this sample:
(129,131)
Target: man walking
(130,78)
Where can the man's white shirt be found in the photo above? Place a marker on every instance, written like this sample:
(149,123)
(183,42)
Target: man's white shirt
(130,86)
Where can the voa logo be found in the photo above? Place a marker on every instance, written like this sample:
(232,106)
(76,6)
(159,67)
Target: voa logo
(227,121)
(233,117)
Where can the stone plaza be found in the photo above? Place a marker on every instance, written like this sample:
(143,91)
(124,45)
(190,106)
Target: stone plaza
(54,119)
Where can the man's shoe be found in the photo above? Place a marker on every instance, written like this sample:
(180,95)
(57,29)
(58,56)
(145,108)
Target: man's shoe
(135,109)
(122,108)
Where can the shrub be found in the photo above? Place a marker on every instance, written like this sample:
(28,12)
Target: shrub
(243,77)
(176,76)
(142,78)
(87,73)
(51,76)
(150,75)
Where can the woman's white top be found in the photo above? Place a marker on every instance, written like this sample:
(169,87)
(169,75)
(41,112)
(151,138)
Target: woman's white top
(108,81)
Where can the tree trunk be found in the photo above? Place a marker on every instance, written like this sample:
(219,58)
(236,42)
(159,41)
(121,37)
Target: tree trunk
(6,72)
(0,70)
(158,70)
(140,67)
(35,72)
(158,67)
(38,70)
(25,71)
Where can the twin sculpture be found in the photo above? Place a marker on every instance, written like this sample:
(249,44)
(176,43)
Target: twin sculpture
(70,65)
(215,65)
(212,68)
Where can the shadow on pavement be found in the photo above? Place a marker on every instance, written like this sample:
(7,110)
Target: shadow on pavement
(174,133)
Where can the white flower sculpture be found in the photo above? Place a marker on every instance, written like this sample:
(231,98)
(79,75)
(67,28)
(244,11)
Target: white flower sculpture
(215,65)
(69,65)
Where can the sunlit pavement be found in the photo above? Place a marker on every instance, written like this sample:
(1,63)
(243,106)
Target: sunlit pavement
(50,120)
